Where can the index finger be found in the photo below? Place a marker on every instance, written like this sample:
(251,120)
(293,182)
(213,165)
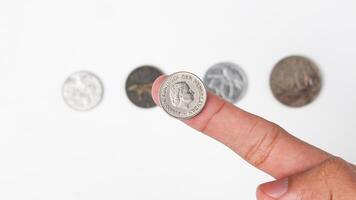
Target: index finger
(260,142)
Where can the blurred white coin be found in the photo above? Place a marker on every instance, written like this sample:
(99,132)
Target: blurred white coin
(82,91)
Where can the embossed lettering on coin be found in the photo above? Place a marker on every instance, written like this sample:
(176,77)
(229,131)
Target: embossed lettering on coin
(182,95)
(82,91)
(226,80)
(296,81)
(139,85)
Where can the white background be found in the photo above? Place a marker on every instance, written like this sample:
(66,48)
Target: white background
(119,151)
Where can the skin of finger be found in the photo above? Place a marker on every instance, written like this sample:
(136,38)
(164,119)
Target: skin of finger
(260,142)
(332,179)
(354,166)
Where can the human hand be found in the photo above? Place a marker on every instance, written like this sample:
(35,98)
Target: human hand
(303,172)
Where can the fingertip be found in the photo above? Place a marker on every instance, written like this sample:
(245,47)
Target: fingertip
(155,88)
(260,195)
(274,189)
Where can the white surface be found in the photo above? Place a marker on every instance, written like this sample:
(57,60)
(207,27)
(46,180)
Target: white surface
(118,151)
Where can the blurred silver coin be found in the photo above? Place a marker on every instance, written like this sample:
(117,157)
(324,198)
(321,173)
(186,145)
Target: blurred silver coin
(82,91)
(226,80)
(182,95)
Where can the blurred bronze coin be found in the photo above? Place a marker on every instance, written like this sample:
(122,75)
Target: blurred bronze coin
(296,81)
(139,85)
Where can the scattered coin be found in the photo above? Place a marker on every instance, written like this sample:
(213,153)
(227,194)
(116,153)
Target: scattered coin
(82,91)
(226,80)
(296,81)
(182,95)
(139,85)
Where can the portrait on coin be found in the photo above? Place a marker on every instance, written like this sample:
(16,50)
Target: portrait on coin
(181,95)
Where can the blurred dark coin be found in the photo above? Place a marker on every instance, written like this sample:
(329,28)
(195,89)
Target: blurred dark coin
(296,81)
(139,85)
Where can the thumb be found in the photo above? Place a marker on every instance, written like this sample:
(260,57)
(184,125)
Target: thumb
(332,179)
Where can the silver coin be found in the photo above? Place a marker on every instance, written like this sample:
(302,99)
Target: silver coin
(82,91)
(226,80)
(183,95)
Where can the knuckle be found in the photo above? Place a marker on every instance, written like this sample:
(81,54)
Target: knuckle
(309,194)
(331,168)
(334,171)
(304,195)
(261,149)
(205,126)
(334,164)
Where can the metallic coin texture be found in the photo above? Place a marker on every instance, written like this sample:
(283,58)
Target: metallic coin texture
(296,81)
(139,85)
(82,91)
(226,80)
(182,95)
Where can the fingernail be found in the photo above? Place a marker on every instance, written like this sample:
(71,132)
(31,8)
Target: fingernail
(275,189)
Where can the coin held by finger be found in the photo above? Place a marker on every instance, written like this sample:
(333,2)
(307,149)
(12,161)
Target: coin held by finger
(182,95)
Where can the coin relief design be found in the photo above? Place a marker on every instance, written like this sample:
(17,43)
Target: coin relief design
(182,95)
(82,91)
(139,84)
(296,81)
(226,80)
